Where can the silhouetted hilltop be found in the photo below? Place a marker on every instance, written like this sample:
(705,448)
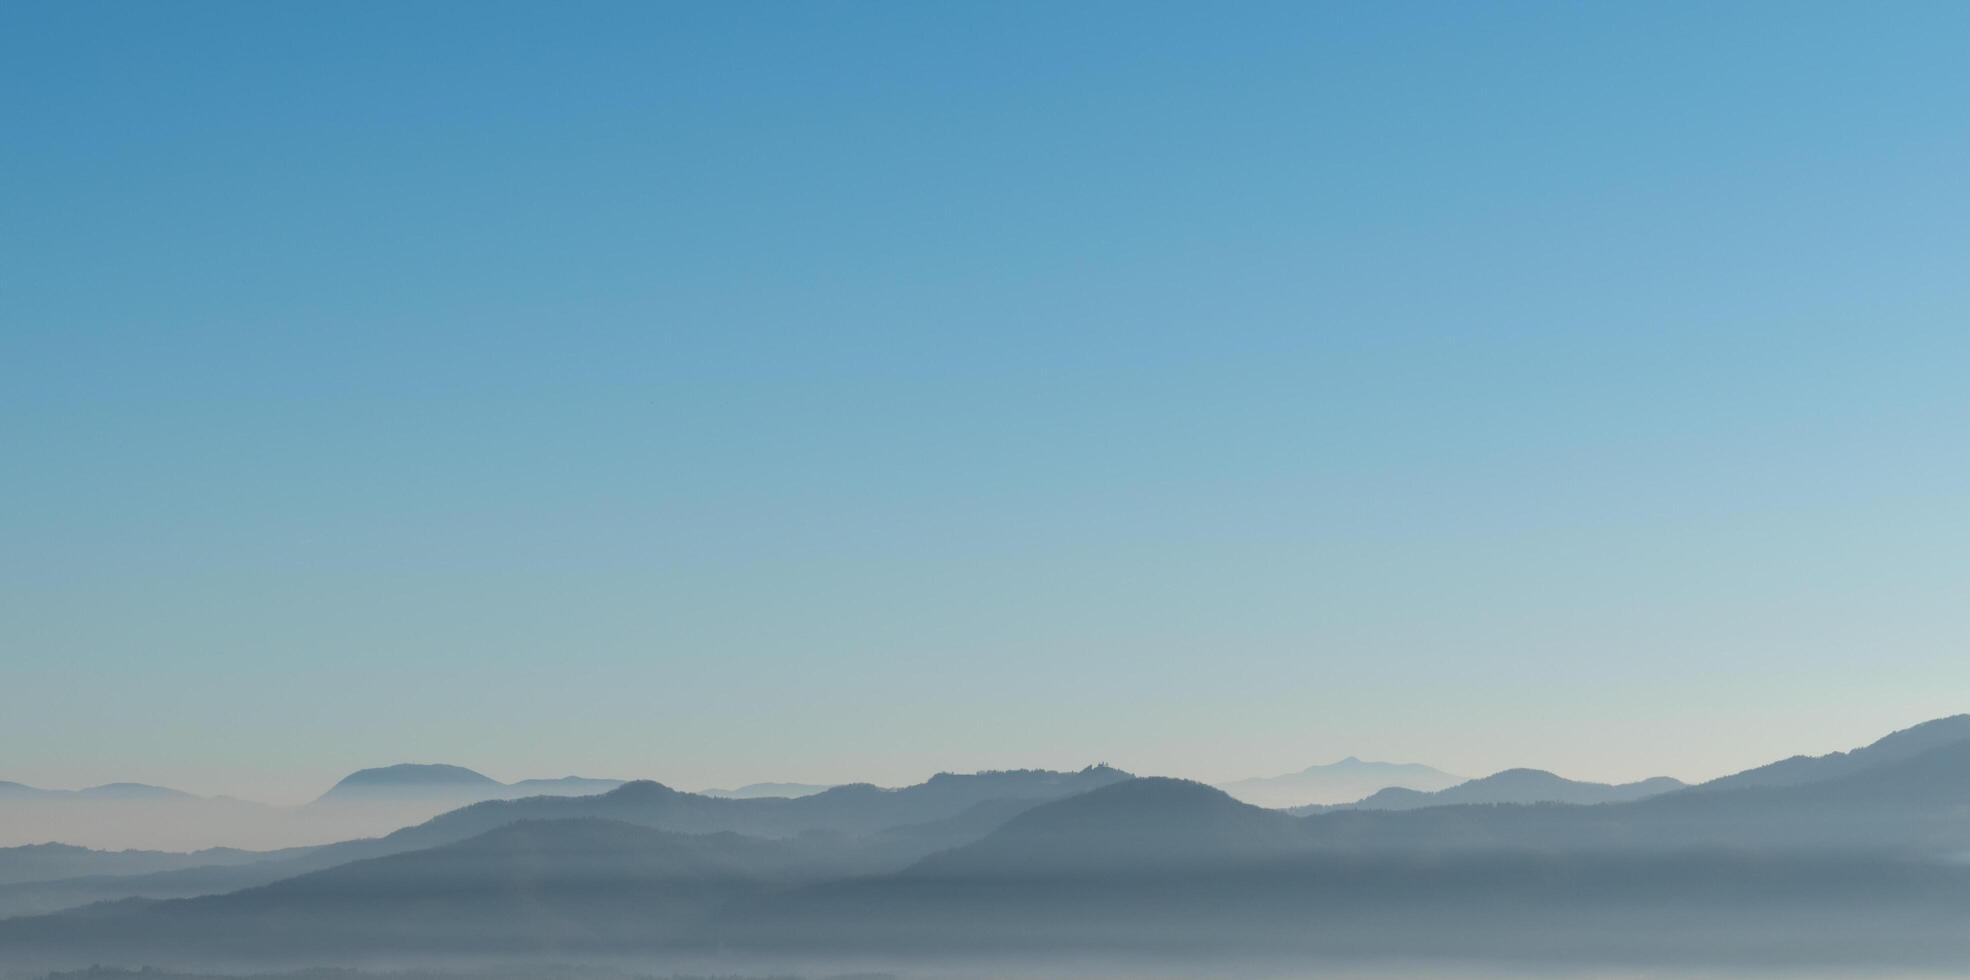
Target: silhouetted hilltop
(1132,824)
(409,777)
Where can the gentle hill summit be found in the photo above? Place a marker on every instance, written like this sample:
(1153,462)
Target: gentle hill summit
(1340,782)
(410,778)
(1139,823)
(1519,786)
(855,809)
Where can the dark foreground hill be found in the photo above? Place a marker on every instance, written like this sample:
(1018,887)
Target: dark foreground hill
(1128,827)
(854,809)
(1147,867)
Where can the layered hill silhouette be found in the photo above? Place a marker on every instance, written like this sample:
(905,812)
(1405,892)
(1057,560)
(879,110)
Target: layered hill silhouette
(1129,826)
(1854,862)
(888,827)
(418,778)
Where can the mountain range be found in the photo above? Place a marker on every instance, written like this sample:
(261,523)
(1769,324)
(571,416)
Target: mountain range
(881,827)
(368,802)
(1853,859)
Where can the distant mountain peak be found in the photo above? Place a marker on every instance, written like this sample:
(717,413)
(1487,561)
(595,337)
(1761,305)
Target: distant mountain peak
(411,778)
(416,773)
(1350,779)
(642,789)
(1519,786)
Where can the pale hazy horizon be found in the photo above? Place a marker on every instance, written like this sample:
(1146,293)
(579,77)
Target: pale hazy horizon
(301,791)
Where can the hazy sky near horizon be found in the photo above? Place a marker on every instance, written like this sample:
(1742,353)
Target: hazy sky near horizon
(731,392)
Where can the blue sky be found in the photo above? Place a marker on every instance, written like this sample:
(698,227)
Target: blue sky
(833,391)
